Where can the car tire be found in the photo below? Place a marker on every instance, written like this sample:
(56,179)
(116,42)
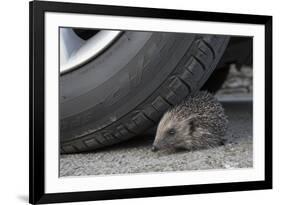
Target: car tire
(126,89)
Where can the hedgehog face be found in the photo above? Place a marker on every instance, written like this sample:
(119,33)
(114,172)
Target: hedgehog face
(173,132)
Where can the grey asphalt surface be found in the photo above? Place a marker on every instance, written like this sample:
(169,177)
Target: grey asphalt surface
(135,156)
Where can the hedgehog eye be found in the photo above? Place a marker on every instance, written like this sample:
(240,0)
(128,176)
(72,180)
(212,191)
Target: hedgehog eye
(171,131)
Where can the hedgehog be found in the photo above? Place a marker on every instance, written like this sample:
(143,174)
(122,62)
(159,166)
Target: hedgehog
(198,122)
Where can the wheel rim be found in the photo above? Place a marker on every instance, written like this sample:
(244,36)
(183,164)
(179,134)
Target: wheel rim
(75,51)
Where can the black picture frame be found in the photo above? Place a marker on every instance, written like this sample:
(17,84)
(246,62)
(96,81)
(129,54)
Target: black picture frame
(37,192)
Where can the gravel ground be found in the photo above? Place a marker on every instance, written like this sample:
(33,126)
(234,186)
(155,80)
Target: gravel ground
(135,156)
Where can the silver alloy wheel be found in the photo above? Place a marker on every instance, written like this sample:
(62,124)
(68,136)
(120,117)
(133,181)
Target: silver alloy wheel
(75,51)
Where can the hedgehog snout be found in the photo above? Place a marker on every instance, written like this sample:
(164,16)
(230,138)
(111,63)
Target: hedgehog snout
(154,148)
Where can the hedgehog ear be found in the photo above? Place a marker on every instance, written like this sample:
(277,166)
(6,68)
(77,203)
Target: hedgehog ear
(193,124)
